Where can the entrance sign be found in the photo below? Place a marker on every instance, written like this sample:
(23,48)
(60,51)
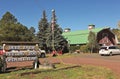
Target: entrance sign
(21,51)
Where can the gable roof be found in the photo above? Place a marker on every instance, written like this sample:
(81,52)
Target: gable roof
(80,36)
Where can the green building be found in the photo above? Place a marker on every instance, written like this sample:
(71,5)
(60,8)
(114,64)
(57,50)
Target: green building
(79,37)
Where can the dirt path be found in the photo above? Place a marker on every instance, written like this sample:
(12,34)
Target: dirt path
(112,62)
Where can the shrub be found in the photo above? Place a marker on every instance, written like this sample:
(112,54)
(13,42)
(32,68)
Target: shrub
(74,48)
(84,49)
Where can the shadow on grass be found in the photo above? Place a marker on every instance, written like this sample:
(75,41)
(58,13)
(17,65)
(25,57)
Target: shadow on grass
(40,71)
(12,69)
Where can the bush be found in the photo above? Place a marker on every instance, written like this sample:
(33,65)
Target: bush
(74,48)
(84,49)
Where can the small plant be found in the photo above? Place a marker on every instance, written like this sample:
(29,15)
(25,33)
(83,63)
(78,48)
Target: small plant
(74,48)
(84,48)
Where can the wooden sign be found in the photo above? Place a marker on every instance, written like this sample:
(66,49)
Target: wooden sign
(20,51)
(19,59)
(7,47)
(22,54)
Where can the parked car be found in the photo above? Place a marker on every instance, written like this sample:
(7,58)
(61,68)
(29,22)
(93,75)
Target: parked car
(109,50)
(42,53)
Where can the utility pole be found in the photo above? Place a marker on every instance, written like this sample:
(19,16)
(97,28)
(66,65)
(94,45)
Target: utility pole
(53,22)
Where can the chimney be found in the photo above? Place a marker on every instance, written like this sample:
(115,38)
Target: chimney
(91,26)
(67,30)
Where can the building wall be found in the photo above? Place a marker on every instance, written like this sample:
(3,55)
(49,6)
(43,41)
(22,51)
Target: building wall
(106,37)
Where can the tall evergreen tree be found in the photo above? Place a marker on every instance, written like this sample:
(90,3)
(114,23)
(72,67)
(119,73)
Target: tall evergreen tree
(12,30)
(43,30)
(45,34)
(56,40)
(92,42)
(8,18)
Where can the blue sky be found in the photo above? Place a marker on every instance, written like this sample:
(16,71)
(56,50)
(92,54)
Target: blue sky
(74,14)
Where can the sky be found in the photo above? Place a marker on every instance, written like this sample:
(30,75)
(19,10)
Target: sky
(73,14)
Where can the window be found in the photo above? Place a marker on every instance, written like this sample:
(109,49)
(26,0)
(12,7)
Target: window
(112,47)
(103,47)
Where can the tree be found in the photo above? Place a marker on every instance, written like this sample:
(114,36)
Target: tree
(8,18)
(45,34)
(59,40)
(32,30)
(43,30)
(117,33)
(56,41)
(12,30)
(33,34)
(92,42)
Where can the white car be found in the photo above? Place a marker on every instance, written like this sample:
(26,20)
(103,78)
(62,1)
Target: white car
(43,53)
(109,50)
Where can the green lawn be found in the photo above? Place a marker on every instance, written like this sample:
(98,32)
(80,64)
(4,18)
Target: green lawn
(62,72)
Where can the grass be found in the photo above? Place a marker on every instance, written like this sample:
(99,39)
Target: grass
(62,72)
(65,55)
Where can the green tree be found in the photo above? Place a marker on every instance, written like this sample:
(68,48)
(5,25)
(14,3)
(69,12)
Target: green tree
(7,18)
(43,30)
(32,30)
(59,40)
(33,34)
(12,30)
(45,34)
(56,40)
(92,42)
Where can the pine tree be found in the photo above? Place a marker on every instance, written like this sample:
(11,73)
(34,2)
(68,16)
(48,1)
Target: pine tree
(12,30)
(33,34)
(43,30)
(92,42)
(8,18)
(46,35)
(56,40)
